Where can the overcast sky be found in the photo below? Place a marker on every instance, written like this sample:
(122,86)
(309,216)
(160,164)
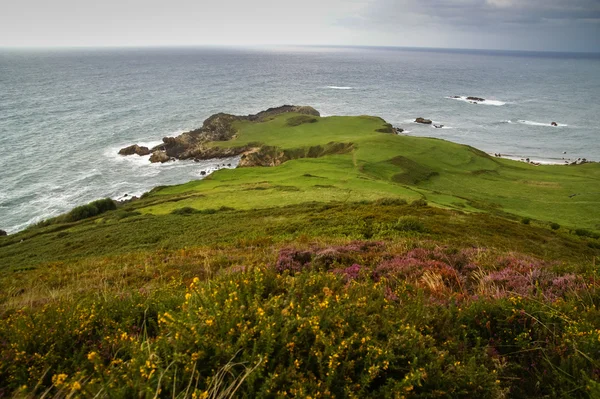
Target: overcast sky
(561,25)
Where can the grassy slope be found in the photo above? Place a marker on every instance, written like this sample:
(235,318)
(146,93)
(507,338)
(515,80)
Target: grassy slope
(384,165)
(108,304)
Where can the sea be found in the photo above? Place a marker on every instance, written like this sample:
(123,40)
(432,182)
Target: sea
(65,113)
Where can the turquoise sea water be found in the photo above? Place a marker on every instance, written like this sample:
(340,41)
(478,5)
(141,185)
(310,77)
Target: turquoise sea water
(65,113)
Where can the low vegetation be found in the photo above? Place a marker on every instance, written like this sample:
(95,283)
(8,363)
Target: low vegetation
(398,267)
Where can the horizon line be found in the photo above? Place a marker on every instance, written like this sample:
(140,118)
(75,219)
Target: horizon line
(241,46)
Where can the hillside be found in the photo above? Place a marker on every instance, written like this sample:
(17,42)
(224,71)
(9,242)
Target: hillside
(354,263)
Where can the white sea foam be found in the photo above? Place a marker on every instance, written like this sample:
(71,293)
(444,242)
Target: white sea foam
(540,161)
(340,87)
(532,123)
(443,126)
(496,103)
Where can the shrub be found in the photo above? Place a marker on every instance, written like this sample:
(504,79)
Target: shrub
(587,233)
(525,220)
(419,203)
(554,226)
(89,210)
(391,201)
(187,210)
(409,223)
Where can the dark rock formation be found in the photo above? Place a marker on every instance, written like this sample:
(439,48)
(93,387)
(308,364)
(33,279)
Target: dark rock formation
(455,97)
(438,126)
(159,156)
(219,127)
(274,156)
(398,130)
(423,121)
(478,99)
(134,149)
(554,124)
(3,233)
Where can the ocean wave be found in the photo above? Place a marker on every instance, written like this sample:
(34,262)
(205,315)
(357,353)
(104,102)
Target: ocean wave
(339,87)
(496,103)
(532,123)
(441,127)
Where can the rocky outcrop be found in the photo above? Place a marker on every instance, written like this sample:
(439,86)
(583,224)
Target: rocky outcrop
(218,127)
(274,156)
(438,126)
(554,124)
(478,99)
(423,121)
(3,233)
(134,149)
(159,156)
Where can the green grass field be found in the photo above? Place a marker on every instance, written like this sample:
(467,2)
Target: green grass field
(397,267)
(386,165)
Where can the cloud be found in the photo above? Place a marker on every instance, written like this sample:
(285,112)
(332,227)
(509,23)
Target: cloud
(535,24)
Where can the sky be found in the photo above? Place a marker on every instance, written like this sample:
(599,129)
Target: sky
(543,25)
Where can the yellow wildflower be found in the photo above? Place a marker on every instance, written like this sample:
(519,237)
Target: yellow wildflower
(59,379)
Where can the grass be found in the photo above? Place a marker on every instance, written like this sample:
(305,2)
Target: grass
(399,267)
(382,165)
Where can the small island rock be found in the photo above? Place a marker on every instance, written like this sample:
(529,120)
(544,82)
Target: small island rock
(134,149)
(423,121)
(554,124)
(159,156)
(478,99)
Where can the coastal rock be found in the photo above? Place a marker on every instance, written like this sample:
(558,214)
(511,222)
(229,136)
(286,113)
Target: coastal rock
(398,130)
(455,97)
(477,99)
(424,121)
(159,156)
(438,126)
(218,127)
(3,233)
(134,149)
(554,124)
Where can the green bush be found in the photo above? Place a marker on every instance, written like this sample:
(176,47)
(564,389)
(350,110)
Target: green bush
(587,233)
(409,223)
(391,201)
(525,220)
(554,226)
(419,203)
(89,210)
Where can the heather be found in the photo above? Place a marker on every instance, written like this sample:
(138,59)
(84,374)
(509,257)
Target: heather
(311,317)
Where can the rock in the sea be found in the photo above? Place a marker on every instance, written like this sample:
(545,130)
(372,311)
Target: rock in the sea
(455,97)
(478,99)
(424,121)
(203,173)
(134,149)
(438,126)
(3,233)
(554,124)
(159,156)
(398,130)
